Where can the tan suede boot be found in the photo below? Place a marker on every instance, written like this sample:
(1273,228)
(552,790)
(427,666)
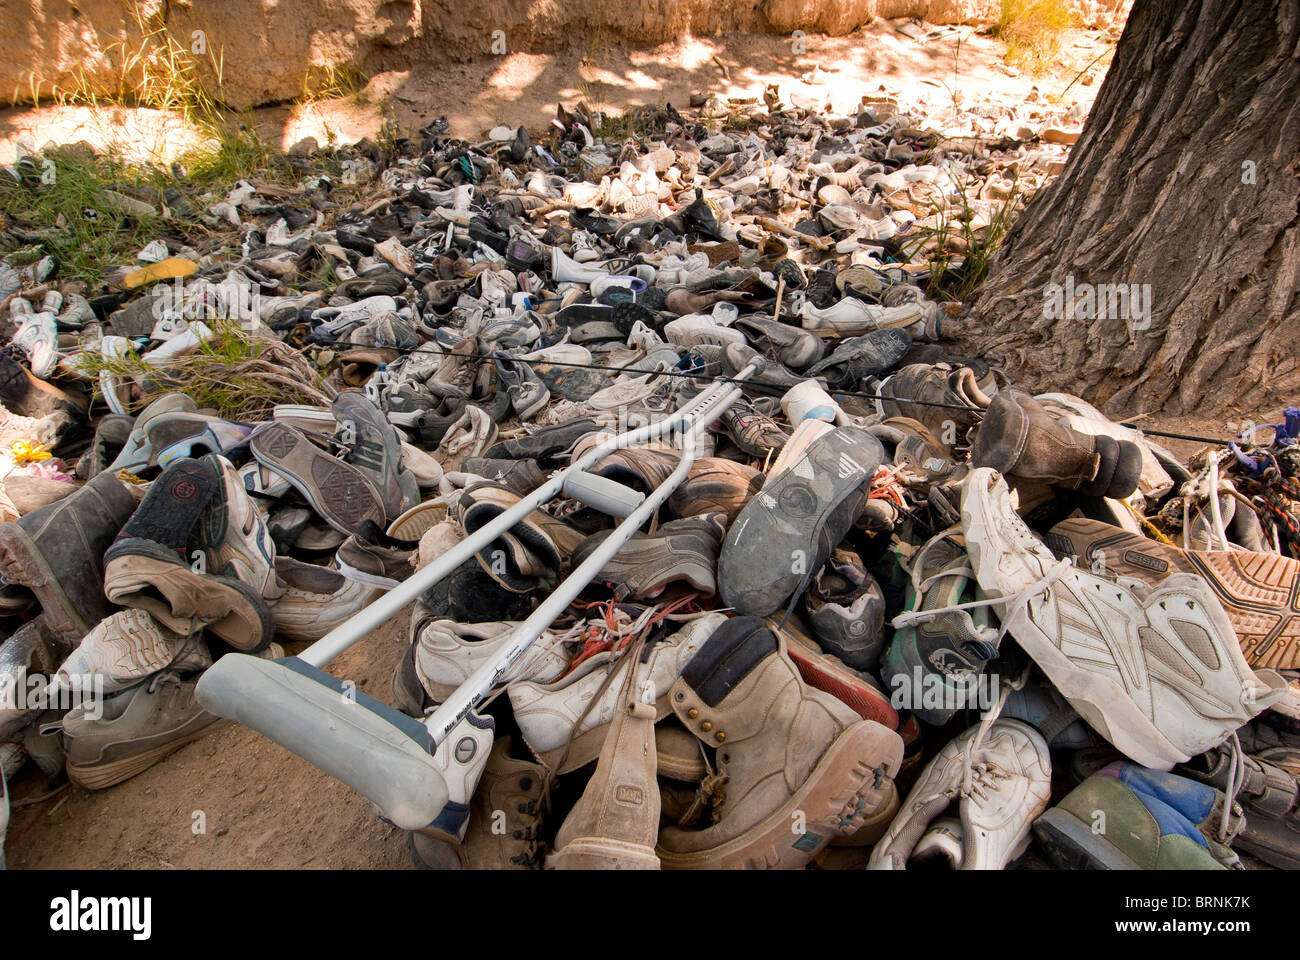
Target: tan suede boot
(801,768)
(615,823)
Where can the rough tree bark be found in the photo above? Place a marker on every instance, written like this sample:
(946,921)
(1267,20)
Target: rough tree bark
(1187,178)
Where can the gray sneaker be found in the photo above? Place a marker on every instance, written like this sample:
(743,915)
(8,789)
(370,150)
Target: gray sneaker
(372,557)
(373,447)
(111,740)
(846,611)
(789,528)
(137,728)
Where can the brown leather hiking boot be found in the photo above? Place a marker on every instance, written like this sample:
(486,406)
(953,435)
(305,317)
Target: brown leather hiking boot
(948,394)
(614,824)
(1260,592)
(800,767)
(1019,438)
(58,552)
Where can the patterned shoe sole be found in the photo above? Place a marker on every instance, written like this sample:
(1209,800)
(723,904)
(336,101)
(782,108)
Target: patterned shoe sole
(338,492)
(1259,591)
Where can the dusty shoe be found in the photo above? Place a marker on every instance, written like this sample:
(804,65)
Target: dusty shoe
(30,396)
(446,653)
(1269,794)
(783,748)
(151,565)
(953,399)
(460,758)
(372,557)
(846,610)
(373,448)
(938,653)
(1002,780)
(137,728)
(615,823)
(125,648)
(1259,591)
(756,434)
(1019,438)
(531,554)
(680,551)
(1156,670)
(315,599)
(715,485)
(339,492)
(57,552)
(788,530)
(233,534)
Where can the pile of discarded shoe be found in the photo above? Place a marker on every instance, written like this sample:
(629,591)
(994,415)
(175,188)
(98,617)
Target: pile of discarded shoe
(885,594)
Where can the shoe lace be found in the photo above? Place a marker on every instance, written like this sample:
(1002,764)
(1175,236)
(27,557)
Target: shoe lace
(1236,779)
(980,773)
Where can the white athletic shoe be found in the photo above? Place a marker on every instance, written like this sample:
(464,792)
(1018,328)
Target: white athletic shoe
(1002,781)
(447,654)
(125,648)
(1157,671)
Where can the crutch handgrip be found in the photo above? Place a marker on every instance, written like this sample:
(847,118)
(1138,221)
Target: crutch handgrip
(601,493)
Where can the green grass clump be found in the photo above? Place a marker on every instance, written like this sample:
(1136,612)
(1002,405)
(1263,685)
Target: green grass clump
(66,198)
(955,274)
(240,376)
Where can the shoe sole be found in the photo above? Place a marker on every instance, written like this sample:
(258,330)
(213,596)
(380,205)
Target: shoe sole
(838,798)
(1260,592)
(1073,846)
(22,563)
(602,853)
(340,493)
(757,574)
(97,776)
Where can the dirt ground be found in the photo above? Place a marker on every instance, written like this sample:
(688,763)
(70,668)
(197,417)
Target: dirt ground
(262,806)
(946,64)
(266,808)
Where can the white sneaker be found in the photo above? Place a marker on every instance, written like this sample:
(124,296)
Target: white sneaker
(851,317)
(116,389)
(447,653)
(180,345)
(38,337)
(397,255)
(695,329)
(316,599)
(1157,671)
(548,714)
(1002,781)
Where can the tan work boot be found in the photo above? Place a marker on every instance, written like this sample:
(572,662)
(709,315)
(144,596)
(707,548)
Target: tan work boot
(615,823)
(801,768)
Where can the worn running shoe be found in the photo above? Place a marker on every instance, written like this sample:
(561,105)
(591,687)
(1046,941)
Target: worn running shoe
(1154,668)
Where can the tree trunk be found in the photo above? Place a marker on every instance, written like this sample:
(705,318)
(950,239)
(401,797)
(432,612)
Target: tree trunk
(1186,182)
